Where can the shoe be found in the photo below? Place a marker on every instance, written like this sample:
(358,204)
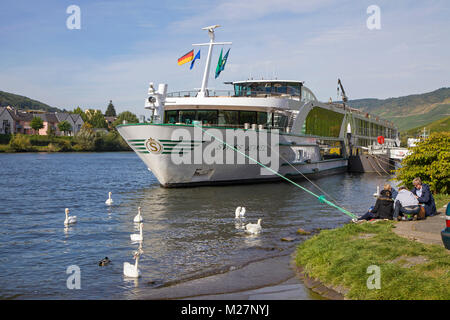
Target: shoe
(404,219)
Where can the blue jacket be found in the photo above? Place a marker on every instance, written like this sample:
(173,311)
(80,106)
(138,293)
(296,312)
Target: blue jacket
(427,199)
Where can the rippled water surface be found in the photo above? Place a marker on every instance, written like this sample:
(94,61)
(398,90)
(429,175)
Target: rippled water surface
(188,232)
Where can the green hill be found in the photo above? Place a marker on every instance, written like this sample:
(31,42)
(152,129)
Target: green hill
(24,103)
(409,111)
(435,126)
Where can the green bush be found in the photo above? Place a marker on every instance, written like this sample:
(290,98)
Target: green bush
(38,140)
(20,143)
(5,138)
(85,139)
(429,160)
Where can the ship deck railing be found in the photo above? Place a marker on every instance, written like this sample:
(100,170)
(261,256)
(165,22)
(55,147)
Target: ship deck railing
(231,93)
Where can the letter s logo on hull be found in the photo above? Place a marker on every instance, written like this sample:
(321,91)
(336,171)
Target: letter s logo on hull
(153,146)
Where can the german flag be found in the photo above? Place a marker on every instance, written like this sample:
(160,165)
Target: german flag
(186,58)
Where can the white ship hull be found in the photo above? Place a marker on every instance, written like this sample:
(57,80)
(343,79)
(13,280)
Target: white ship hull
(169,174)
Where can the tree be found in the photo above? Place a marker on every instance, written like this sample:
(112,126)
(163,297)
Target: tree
(37,123)
(64,126)
(429,160)
(128,116)
(110,111)
(96,118)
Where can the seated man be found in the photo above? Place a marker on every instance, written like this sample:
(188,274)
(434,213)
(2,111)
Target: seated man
(423,194)
(405,204)
(394,192)
(383,208)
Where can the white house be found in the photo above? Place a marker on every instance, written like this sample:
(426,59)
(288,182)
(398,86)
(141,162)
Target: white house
(7,123)
(75,121)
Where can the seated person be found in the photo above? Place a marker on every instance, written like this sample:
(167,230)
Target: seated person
(423,194)
(394,192)
(383,209)
(405,204)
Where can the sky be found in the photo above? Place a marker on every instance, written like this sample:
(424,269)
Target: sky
(122,46)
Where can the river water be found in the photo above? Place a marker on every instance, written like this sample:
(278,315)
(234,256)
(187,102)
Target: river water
(188,232)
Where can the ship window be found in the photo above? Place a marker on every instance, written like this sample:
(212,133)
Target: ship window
(229,117)
(207,116)
(247,117)
(187,116)
(262,117)
(323,122)
(171,116)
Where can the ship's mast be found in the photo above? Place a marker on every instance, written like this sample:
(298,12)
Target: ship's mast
(203,90)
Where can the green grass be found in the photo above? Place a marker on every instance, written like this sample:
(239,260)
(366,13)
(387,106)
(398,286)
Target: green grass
(339,258)
(441,200)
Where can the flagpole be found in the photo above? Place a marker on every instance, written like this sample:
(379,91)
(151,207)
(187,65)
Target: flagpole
(202,93)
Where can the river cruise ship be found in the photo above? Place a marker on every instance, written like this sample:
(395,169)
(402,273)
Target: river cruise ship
(275,124)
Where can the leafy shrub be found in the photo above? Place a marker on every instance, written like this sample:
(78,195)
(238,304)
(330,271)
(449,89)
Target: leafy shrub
(20,143)
(5,138)
(38,140)
(429,160)
(85,139)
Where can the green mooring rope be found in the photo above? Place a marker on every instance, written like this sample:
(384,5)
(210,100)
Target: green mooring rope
(321,198)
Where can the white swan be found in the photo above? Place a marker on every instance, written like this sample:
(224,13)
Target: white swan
(110,200)
(138,236)
(138,218)
(69,220)
(131,270)
(239,213)
(254,228)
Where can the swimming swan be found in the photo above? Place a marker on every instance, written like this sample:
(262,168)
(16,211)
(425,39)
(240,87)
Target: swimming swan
(138,236)
(131,270)
(110,200)
(69,220)
(240,212)
(138,217)
(254,228)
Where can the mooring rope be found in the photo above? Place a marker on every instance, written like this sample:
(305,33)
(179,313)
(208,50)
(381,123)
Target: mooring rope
(376,159)
(321,198)
(373,167)
(304,176)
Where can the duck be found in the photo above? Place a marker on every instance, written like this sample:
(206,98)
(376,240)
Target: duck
(69,219)
(240,212)
(138,218)
(109,201)
(130,270)
(254,228)
(138,236)
(104,261)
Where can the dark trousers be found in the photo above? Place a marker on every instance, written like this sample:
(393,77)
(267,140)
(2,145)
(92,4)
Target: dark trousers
(400,210)
(367,216)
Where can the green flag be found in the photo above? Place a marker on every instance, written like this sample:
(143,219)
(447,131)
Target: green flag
(219,64)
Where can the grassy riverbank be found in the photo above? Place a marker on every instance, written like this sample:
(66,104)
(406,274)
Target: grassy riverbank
(409,269)
(94,141)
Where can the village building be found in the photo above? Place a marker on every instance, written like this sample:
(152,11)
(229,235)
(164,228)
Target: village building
(7,122)
(16,121)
